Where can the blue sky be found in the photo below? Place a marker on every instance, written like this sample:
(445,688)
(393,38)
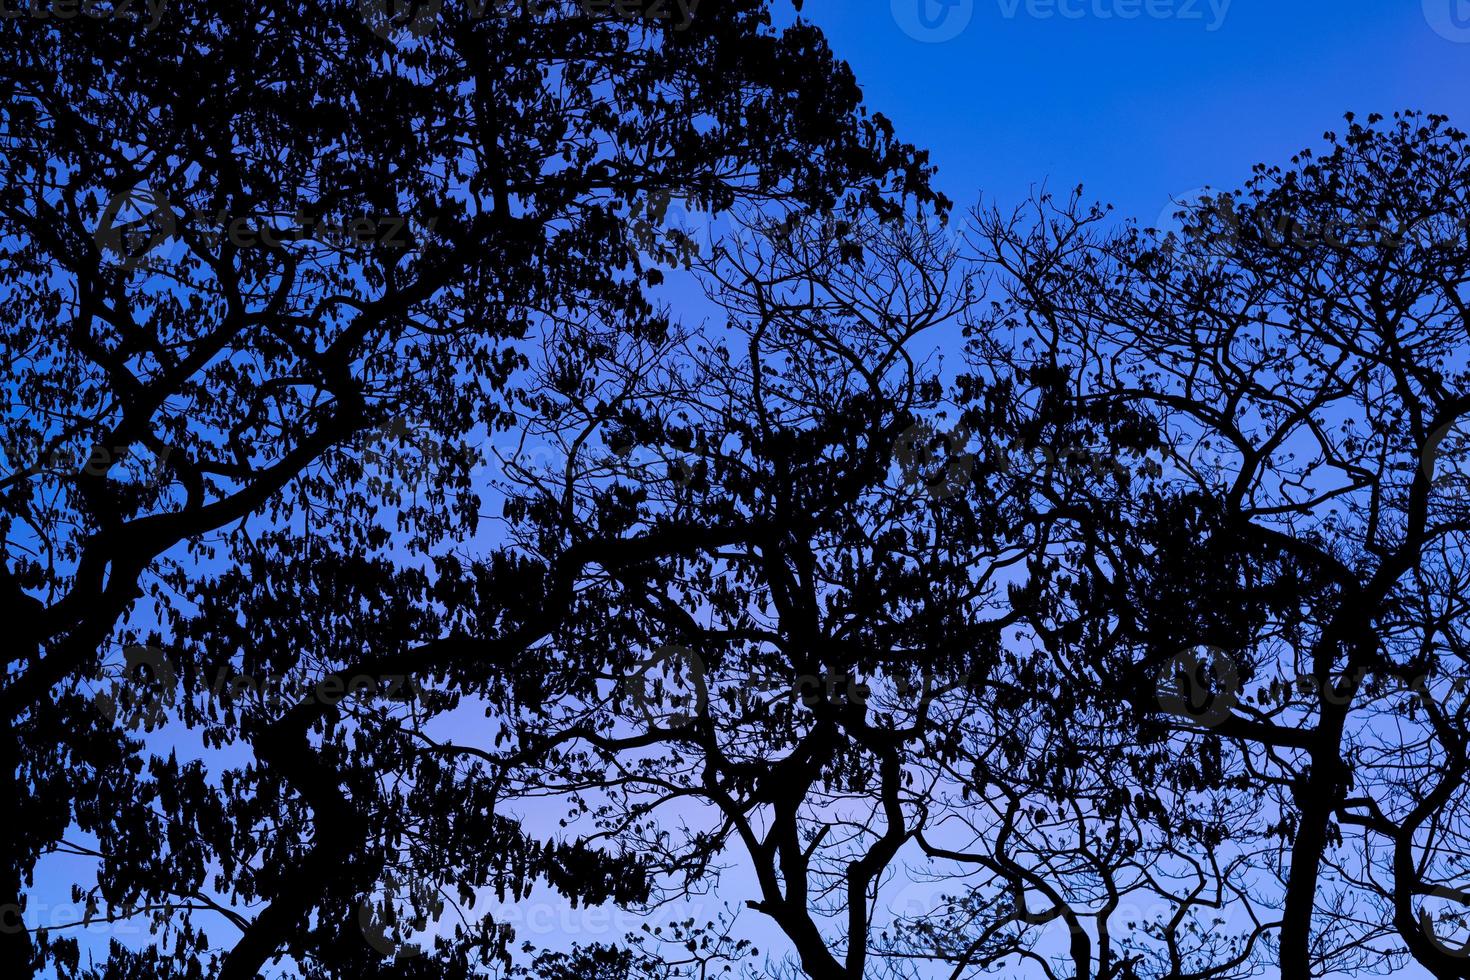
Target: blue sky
(1145,109)
(1187,93)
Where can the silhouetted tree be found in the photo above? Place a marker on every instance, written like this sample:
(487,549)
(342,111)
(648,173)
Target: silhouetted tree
(1283,603)
(265,270)
(794,678)
(1191,538)
(1137,637)
(868,688)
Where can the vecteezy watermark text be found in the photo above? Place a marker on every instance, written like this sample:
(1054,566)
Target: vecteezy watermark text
(421,17)
(939,462)
(1205,687)
(141,697)
(642,689)
(157,220)
(99,460)
(1212,224)
(148,12)
(1211,13)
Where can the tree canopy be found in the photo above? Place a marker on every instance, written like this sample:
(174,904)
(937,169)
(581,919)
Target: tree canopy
(267,276)
(1025,591)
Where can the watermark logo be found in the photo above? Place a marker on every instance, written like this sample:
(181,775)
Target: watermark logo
(133,705)
(134,223)
(404,904)
(935,460)
(1185,219)
(1342,689)
(668,228)
(679,470)
(933,21)
(1445,232)
(1458,920)
(1203,690)
(1449,18)
(387,17)
(102,461)
(399,442)
(648,693)
(1446,452)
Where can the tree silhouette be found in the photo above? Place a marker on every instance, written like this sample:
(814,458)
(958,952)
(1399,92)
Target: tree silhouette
(1300,350)
(1189,621)
(265,274)
(1030,595)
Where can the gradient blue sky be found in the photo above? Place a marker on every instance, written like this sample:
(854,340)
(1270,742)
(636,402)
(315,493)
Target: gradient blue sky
(1141,110)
